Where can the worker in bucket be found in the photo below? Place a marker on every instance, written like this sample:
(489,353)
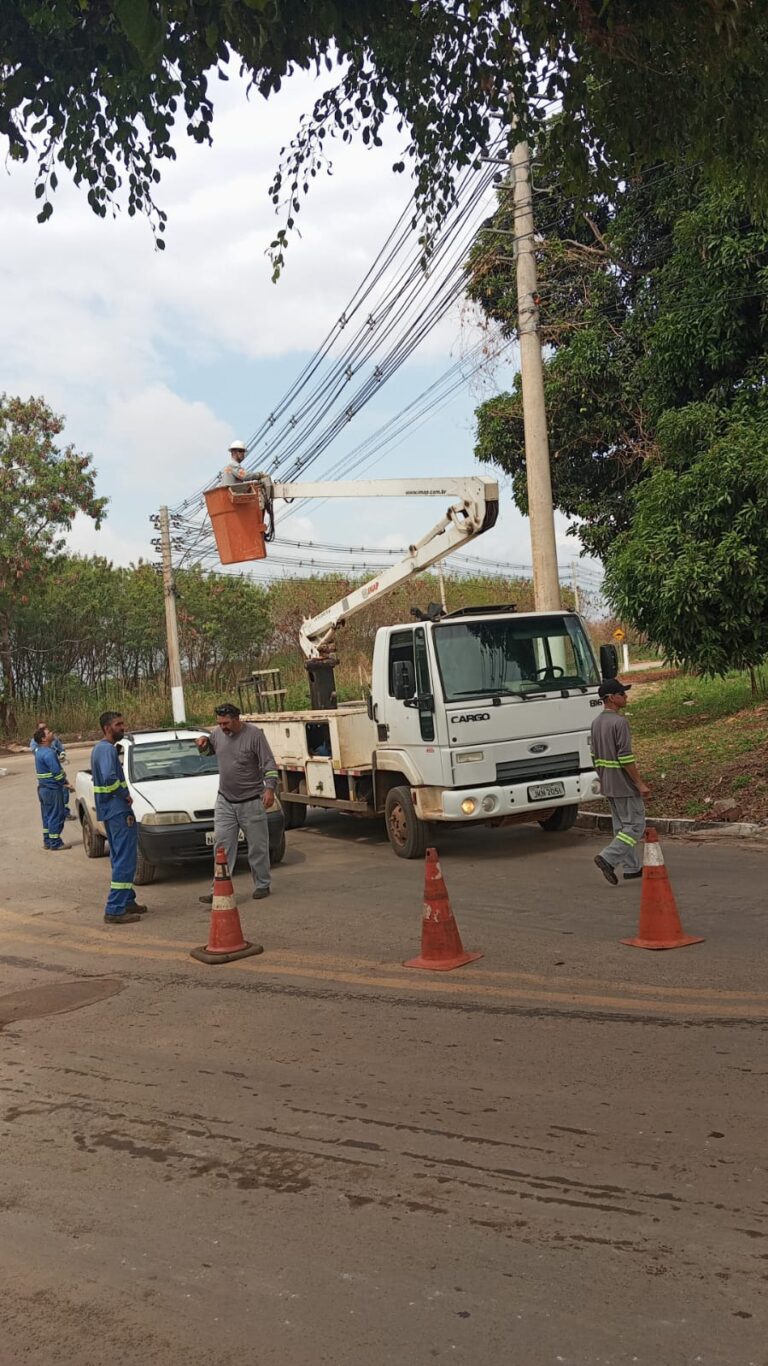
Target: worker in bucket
(113,808)
(233,472)
(52,789)
(620,784)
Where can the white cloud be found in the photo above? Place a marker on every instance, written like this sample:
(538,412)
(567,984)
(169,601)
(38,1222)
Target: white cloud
(164,441)
(84,539)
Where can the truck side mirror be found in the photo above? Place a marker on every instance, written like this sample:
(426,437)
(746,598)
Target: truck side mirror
(403,680)
(609,661)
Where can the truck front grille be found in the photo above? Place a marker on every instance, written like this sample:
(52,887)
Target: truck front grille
(540,766)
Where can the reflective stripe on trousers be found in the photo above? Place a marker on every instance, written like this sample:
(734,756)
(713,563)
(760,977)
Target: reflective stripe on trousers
(123,848)
(628,817)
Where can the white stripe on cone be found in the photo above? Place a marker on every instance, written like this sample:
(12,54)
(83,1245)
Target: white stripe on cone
(653,856)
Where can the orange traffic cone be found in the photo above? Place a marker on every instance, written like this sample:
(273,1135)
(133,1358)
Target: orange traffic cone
(441,946)
(225,935)
(659,926)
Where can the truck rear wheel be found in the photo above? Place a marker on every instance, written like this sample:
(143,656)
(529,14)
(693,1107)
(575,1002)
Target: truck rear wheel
(564,818)
(295,814)
(407,834)
(94,844)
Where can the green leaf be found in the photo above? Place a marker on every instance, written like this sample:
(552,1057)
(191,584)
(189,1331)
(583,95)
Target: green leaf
(142,26)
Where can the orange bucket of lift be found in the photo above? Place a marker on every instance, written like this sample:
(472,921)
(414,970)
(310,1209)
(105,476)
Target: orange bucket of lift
(237,519)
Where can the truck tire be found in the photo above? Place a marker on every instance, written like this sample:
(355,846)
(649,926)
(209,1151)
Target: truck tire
(564,818)
(277,854)
(407,834)
(295,814)
(94,844)
(145,872)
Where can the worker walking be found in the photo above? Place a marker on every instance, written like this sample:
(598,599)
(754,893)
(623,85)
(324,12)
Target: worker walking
(113,808)
(233,473)
(52,789)
(247,786)
(620,784)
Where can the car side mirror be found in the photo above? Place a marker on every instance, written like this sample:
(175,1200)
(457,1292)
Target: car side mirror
(403,680)
(609,661)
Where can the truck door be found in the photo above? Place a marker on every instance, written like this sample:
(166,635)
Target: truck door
(410,713)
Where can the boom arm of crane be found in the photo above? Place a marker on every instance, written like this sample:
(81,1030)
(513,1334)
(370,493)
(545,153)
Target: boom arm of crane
(474,512)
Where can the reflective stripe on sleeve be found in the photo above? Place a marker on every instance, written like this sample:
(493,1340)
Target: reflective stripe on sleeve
(607,763)
(626,758)
(110,787)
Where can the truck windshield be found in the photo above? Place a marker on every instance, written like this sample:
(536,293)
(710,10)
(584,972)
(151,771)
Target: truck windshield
(517,656)
(169,759)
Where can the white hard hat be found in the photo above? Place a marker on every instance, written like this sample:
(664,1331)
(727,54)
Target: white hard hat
(238,446)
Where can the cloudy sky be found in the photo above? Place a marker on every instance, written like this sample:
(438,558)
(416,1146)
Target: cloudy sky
(159,359)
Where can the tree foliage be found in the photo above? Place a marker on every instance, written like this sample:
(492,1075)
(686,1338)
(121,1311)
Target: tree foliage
(99,86)
(654,308)
(651,300)
(42,487)
(692,569)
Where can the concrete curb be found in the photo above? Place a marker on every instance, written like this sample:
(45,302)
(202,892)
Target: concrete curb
(680,825)
(666,825)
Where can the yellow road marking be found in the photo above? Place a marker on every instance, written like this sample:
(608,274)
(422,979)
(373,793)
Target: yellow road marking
(305,969)
(321,960)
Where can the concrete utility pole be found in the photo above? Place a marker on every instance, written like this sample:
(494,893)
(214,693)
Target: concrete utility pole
(546,583)
(171,625)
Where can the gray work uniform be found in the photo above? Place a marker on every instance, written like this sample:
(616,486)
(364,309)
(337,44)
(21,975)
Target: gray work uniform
(611,753)
(232,475)
(246,767)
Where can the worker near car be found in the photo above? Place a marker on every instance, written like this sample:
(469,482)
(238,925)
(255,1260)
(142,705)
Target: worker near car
(52,789)
(113,809)
(58,748)
(620,784)
(247,786)
(233,473)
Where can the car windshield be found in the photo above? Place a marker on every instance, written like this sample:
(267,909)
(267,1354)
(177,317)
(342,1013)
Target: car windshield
(521,656)
(169,759)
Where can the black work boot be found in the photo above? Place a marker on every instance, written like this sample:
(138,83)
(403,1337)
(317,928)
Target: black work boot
(606,870)
(124,918)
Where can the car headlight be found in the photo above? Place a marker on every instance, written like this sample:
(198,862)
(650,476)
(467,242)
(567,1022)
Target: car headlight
(473,756)
(489,803)
(596,785)
(468,805)
(167,818)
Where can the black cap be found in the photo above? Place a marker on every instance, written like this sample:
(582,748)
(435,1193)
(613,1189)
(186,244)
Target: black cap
(613,688)
(227,709)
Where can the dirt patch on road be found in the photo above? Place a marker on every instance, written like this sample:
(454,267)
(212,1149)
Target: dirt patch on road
(55,999)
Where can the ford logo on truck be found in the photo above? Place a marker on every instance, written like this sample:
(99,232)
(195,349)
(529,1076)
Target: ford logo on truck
(537,749)
(471,716)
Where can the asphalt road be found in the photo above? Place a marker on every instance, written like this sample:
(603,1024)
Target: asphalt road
(554,1155)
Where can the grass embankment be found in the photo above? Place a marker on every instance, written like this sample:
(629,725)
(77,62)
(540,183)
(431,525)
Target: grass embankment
(698,738)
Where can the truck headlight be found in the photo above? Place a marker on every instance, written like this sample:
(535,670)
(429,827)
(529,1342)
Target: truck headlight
(596,786)
(473,756)
(489,803)
(468,805)
(167,818)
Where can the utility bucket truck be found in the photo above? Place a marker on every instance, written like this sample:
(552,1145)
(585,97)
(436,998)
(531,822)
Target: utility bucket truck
(475,717)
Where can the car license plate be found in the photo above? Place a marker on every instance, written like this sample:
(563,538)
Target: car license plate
(209,836)
(544,792)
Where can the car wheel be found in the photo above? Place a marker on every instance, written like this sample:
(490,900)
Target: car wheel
(94,844)
(407,834)
(145,872)
(564,818)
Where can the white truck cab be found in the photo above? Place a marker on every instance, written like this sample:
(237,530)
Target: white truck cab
(479,716)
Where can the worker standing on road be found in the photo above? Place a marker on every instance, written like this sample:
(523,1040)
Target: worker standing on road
(247,786)
(620,783)
(113,808)
(233,473)
(58,749)
(52,786)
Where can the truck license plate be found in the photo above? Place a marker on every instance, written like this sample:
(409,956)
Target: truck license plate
(543,792)
(209,836)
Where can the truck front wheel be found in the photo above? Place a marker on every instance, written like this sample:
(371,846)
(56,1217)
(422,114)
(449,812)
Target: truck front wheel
(564,818)
(407,834)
